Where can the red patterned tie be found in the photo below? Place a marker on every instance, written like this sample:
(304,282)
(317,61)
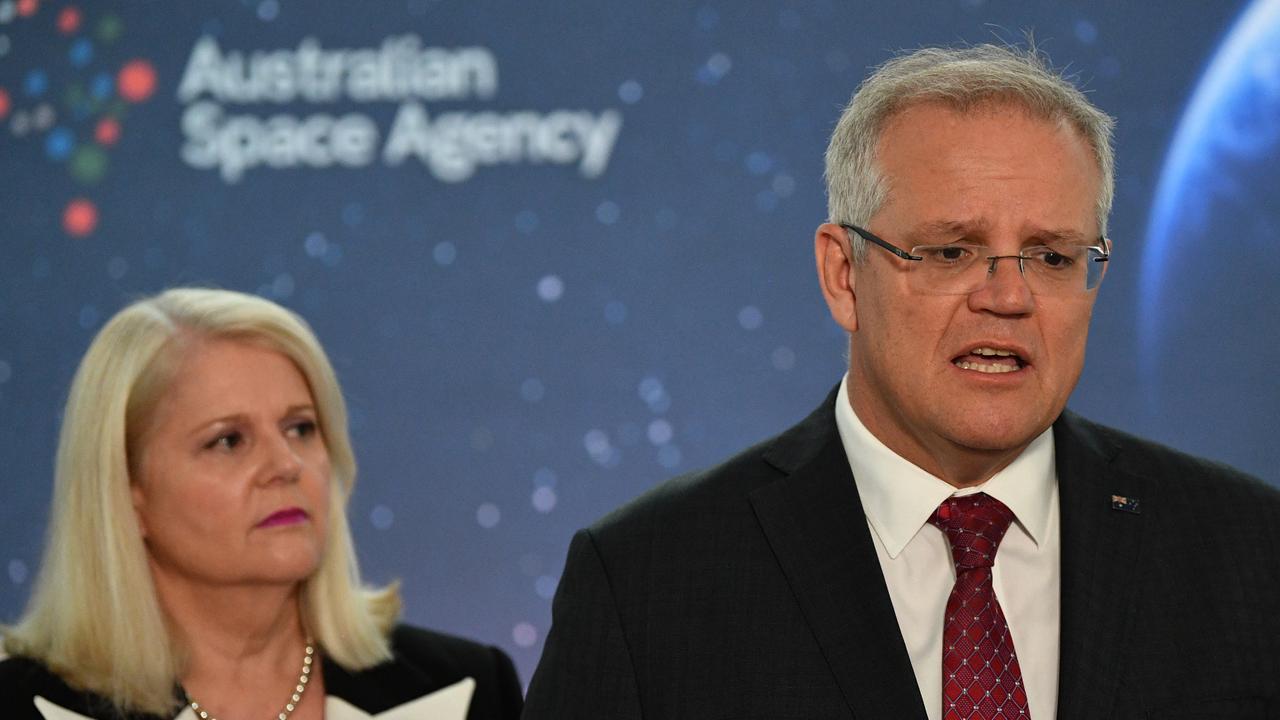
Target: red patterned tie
(981,679)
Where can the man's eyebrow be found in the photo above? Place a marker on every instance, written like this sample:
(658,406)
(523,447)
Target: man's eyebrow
(1063,236)
(936,229)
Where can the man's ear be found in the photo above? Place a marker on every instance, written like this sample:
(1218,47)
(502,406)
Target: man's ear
(835,274)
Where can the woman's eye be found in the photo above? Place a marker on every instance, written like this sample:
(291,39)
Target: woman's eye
(225,441)
(303,429)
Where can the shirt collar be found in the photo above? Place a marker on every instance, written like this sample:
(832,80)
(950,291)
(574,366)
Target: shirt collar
(898,497)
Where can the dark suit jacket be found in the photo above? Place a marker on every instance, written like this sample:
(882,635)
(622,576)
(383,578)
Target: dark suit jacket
(753,590)
(423,663)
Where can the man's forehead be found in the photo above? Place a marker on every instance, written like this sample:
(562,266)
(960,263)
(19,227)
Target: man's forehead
(923,118)
(935,160)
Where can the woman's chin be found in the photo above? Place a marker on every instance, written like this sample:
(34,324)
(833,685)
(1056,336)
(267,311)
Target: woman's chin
(292,567)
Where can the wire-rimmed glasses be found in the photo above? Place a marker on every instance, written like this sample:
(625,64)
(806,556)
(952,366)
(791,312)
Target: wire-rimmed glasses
(961,268)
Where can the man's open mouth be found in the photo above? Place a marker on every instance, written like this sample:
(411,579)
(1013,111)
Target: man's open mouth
(993,360)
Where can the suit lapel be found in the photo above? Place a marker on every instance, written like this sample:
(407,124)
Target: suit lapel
(450,703)
(815,525)
(1101,551)
(379,688)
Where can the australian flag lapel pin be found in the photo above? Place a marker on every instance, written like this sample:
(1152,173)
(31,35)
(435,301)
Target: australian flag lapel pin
(1126,504)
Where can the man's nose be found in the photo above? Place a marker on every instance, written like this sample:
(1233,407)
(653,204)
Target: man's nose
(1005,291)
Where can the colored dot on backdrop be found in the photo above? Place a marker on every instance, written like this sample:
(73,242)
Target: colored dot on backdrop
(69,20)
(20,124)
(59,143)
(550,288)
(268,10)
(73,95)
(43,117)
(35,83)
(75,100)
(109,28)
(136,81)
(101,86)
(81,52)
(17,571)
(88,164)
(4,104)
(630,92)
(524,634)
(445,253)
(27,8)
(80,217)
(107,132)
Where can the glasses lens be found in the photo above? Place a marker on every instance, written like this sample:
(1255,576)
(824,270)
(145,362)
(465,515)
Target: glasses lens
(1059,270)
(955,269)
(959,269)
(1097,261)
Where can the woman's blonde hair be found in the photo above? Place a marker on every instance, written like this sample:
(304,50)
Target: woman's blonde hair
(94,617)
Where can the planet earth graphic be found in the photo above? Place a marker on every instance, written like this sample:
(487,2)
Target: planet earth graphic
(1210,288)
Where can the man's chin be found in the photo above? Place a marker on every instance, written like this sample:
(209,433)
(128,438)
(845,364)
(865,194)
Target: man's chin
(997,434)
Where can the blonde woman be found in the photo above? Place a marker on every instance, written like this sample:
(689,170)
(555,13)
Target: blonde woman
(199,563)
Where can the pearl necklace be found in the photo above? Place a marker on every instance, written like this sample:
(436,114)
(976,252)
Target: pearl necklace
(294,699)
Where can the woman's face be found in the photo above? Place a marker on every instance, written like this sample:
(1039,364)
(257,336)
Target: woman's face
(231,482)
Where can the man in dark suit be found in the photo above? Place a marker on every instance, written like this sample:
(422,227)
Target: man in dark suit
(940,539)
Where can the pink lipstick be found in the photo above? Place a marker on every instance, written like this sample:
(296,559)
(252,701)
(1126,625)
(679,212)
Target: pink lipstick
(287,516)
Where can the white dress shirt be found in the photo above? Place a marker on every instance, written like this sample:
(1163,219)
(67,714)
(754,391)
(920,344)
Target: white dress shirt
(899,497)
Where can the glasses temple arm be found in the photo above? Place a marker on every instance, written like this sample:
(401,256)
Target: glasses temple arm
(871,237)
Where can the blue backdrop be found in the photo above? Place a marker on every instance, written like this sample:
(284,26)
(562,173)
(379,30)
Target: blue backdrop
(560,252)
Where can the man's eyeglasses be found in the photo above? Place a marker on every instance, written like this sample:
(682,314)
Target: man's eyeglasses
(961,268)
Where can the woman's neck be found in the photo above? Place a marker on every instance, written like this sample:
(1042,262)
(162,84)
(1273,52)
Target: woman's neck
(244,644)
(232,621)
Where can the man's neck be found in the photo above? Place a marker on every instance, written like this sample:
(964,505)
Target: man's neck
(954,464)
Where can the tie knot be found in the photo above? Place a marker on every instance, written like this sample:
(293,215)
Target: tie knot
(975,525)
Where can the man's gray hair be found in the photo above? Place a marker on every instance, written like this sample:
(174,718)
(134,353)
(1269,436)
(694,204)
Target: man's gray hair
(963,79)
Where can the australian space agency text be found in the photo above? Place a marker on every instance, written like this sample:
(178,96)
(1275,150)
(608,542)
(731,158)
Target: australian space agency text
(452,145)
